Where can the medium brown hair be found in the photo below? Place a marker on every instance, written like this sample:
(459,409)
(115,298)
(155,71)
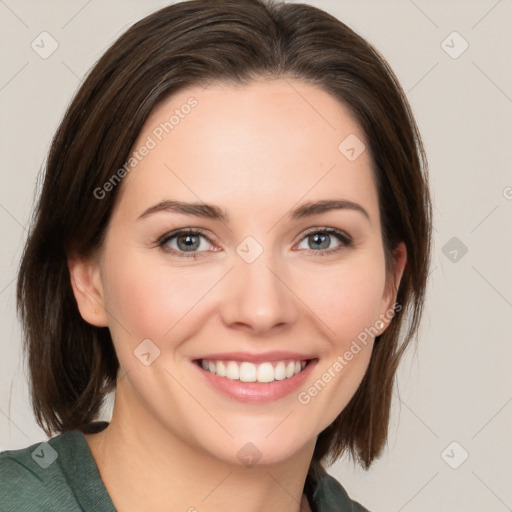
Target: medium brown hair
(73,364)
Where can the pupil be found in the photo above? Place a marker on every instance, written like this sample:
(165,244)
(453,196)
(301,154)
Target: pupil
(189,242)
(317,238)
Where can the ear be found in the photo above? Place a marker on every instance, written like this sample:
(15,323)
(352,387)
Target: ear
(88,290)
(391,291)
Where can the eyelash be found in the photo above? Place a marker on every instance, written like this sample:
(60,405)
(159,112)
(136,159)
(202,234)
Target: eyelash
(162,242)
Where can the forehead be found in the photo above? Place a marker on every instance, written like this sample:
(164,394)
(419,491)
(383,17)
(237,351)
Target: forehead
(272,143)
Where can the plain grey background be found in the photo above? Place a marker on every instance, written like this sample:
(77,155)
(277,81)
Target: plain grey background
(449,446)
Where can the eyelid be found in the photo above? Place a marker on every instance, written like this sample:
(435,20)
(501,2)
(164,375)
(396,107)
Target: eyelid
(345,241)
(182,231)
(328,230)
(162,241)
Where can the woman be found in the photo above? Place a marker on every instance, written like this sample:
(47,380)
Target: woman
(234,221)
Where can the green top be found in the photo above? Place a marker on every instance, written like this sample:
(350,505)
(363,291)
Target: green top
(61,475)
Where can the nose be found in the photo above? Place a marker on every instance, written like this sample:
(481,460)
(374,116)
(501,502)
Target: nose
(257,297)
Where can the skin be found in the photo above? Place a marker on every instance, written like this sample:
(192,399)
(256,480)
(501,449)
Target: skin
(257,151)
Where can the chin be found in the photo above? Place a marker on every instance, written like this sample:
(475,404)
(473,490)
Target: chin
(251,450)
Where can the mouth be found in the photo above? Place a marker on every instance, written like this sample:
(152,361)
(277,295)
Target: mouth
(246,371)
(248,381)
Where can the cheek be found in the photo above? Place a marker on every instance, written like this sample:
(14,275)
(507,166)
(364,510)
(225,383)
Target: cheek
(349,305)
(347,298)
(148,298)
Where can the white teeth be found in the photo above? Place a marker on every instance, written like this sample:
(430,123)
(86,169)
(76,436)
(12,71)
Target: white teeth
(290,369)
(279,371)
(265,373)
(221,369)
(250,372)
(232,371)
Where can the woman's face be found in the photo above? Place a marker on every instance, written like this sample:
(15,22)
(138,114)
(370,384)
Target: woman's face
(268,285)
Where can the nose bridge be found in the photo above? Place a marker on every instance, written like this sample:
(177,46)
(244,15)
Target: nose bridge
(257,295)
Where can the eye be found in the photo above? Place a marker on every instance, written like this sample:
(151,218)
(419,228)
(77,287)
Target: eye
(321,238)
(185,241)
(188,242)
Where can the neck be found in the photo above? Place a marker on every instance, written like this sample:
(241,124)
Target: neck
(145,466)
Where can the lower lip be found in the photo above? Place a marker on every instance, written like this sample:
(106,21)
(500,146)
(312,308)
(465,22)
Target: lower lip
(257,391)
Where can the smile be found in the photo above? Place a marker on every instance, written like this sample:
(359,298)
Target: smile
(264,381)
(245,371)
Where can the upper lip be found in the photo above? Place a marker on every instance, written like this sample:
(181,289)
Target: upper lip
(255,357)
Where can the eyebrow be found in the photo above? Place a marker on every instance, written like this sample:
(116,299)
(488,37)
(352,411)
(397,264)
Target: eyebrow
(209,211)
